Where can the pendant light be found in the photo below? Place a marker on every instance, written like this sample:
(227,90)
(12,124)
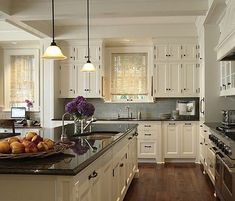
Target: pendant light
(53,51)
(88,66)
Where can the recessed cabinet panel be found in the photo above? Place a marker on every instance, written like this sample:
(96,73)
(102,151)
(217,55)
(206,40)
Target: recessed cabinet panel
(81,53)
(188,139)
(161,79)
(174,52)
(67,81)
(171,139)
(189,52)
(174,78)
(147,149)
(161,52)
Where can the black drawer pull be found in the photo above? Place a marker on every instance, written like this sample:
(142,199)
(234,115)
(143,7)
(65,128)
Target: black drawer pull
(147,134)
(121,165)
(171,124)
(135,134)
(201,143)
(93,175)
(147,146)
(188,124)
(147,125)
(129,138)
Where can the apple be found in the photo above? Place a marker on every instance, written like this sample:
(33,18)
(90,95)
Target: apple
(31,148)
(42,146)
(30,135)
(4,147)
(36,139)
(17,148)
(49,143)
(13,139)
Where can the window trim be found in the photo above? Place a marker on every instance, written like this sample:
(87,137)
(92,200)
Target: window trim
(20,52)
(135,49)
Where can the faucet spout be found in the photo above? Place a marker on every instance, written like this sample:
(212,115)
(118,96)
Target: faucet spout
(88,123)
(64,136)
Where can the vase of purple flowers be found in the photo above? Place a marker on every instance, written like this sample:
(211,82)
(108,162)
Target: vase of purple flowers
(80,109)
(29,105)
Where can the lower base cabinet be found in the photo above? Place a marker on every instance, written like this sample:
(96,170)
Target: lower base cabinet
(109,177)
(180,139)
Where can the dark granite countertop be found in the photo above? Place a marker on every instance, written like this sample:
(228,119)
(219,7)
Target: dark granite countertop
(6,135)
(73,160)
(143,119)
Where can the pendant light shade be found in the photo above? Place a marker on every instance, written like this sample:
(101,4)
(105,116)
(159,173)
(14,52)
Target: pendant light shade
(88,66)
(53,51)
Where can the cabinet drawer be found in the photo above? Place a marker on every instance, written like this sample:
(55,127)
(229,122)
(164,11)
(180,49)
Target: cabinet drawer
(147,149)
(148,126)
(147,134)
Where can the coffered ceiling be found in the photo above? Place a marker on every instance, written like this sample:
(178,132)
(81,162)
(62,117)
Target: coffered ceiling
(35,15)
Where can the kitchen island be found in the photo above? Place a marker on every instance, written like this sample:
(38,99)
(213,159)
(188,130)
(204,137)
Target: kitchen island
(99,166)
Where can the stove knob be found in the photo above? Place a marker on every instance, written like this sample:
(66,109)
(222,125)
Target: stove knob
(217,142)
(220,145)
(227,150)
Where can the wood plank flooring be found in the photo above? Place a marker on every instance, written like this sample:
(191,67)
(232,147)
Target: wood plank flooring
(171,182)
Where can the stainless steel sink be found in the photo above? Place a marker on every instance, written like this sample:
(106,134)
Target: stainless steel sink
(126,118)
(98,135)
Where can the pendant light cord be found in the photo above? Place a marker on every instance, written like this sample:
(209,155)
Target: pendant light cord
(88,31)
(53,21)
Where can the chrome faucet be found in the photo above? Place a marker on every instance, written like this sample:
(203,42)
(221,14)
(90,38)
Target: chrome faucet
(64,136)
(88,123)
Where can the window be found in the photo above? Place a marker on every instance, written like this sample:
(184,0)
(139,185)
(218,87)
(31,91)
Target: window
(21,78)
(129,72)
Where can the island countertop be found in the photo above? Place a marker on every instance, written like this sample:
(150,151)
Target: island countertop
(74,159)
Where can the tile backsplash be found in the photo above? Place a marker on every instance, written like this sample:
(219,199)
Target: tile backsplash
(148,110)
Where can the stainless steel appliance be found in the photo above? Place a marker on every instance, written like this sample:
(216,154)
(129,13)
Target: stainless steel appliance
(228,117)
(224,142)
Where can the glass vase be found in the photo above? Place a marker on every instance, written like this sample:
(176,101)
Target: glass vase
(77,126)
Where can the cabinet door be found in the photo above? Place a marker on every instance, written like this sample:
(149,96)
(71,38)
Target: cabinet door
(81,81)
(123,174)
(201,146)
(106,187)
(174,52)
(93,83)
(147,148)
(81,54)
(115,183)
(190,73)
(67,81)
(161,79)
(188,139)
(96,186)
(189,52)
(161,52)
(174,78)
(84,192)
(171,140)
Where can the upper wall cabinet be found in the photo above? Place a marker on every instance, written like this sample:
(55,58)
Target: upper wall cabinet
(175,52)
(176,70)
(78,53)
(227,78)
(72,81)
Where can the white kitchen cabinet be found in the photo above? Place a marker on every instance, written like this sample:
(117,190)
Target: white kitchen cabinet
(149,141)
(74,83)
(67,76)
(190,79)
(167,79)
(175,52)
(78,53)
(188,140)
(167,52)
(227,78)
(189,52)
(88,84)
(176,80)
(179,139)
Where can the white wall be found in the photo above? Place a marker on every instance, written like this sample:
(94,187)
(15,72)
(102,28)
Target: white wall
(213,102)
(1,77)
(128,31)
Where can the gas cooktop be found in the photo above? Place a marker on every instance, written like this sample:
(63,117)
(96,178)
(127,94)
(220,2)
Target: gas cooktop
(229,131)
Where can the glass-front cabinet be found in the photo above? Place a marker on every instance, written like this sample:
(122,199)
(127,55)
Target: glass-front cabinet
(227,78)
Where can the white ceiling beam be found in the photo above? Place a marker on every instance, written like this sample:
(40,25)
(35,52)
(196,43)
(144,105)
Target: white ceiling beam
(41,10)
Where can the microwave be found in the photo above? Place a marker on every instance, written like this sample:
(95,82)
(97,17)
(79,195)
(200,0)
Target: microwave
(228,118)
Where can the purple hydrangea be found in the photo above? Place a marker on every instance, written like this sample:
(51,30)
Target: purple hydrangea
(80,107)
(29,103)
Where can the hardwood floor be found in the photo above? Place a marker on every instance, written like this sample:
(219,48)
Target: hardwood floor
(170,182)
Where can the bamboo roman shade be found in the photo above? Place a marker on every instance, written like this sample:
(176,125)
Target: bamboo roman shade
(129,73)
